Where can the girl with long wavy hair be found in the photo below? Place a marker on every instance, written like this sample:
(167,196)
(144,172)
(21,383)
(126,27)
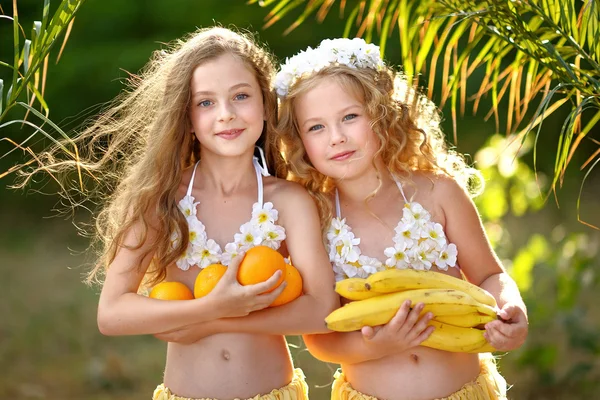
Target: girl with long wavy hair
(369,148)
(177,152)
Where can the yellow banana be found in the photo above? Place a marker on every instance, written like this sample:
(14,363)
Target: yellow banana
(354,289)
(455,339)
(469,320)
(380,310)
(459,309)
(485,348)
(394,280)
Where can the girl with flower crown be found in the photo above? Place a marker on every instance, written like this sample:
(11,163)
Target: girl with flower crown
(391,195)
(189,193)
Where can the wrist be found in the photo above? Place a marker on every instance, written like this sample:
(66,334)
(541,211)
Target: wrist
(374,349)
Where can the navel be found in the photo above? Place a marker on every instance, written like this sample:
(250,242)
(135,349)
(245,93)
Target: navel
(414,358)
(225,354)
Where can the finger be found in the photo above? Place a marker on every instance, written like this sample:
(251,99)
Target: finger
(266,299)
(371,331)
(270,297)
(507,312)
(398,320)
(413,316)
(422,324)
(367,332)
(497,339)
(423,336)
(267,285)
(234,265)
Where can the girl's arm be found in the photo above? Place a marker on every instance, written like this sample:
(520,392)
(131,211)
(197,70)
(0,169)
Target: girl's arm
(405,330)
(481,266)
(306,314)
(121,311)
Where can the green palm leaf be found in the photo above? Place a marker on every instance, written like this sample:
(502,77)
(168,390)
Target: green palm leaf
(29,67)
(523,48)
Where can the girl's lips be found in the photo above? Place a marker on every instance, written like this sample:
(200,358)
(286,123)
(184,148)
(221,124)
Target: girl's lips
(343,156)
(230,134)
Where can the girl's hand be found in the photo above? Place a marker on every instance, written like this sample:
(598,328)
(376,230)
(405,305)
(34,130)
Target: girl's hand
(236,300)
(509,332)
(405,330)
(188,334)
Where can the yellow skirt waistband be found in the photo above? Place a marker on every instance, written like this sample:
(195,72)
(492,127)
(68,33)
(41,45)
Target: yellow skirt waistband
(489,385)
(295,390)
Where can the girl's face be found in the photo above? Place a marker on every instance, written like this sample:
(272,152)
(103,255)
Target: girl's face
(226,108)
(336,130)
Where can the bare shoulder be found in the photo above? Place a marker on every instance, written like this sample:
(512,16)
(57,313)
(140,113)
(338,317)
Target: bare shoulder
(289,198)
(437,186)
(279,190)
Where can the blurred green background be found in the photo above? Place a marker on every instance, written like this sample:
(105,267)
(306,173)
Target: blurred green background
(50,347)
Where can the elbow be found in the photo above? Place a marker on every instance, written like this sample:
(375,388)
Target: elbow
(314,347)
(330,304)
(105,322)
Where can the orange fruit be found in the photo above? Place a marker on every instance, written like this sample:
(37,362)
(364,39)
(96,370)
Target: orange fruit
(207,279)
(259,264)
(293,289)
(171,291)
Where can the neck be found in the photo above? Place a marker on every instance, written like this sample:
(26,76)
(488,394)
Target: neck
(226,175)
(355,191)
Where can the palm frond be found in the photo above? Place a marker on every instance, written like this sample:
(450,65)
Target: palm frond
(523,48)
(29,69)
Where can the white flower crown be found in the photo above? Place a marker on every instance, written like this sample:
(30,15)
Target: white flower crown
(354,53)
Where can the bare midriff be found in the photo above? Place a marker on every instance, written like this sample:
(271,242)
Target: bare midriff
(420,373)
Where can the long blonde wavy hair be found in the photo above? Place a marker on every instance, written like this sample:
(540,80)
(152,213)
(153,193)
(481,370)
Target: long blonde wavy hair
(406,122)
(135,150)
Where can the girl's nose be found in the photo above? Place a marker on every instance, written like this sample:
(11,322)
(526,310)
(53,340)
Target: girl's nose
(337,136)
(226,112)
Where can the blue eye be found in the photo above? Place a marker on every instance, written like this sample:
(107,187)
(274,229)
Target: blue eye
(205,103)
(241,96)
(349,117)
(315,127)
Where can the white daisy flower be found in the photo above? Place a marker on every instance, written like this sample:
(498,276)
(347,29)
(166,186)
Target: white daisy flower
(447,257)
(185,261)
(436,233)
(424,256)
(231,251)
(349,250)
(197,232)
(187,206)
(175,239)
(408,233)
(370,265)
(250,235)
(414,213)
(273,236)
(337,228)
(352,271)
(266,214)
(207,254)
(397,256)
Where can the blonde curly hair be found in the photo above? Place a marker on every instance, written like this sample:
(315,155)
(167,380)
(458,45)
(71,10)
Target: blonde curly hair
(136,149)
(406,122)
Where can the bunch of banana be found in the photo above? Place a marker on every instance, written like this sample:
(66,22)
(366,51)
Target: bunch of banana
(460,308)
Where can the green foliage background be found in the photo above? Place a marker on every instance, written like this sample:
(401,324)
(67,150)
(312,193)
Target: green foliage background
(49,344)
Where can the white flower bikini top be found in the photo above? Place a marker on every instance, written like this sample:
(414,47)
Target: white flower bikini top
(419,243)
(260,230)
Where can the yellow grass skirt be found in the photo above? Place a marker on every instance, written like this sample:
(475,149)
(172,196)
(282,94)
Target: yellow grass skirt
(489,385)
(295,390)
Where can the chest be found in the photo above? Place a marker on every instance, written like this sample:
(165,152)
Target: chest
(374,228)
(222,217)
